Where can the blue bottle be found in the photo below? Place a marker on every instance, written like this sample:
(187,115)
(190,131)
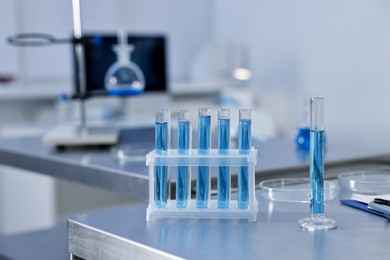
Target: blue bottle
(302,138)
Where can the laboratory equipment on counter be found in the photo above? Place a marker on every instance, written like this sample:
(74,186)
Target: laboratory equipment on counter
(223,148)
(81,134)
(89,76)
(293,190)
(183,146)
(317,219)
(204,138)
(365,182)
(162,143)
(124,78)
(302,137)
(184,160)
(244,145)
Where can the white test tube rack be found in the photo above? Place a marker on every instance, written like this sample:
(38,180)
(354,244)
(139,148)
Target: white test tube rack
(193,159)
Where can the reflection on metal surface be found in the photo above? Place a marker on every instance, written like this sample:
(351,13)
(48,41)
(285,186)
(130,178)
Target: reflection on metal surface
(126,233)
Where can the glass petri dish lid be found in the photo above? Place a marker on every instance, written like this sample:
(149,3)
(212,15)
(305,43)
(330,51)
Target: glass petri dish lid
(365,182)
(293,190)
(132,152)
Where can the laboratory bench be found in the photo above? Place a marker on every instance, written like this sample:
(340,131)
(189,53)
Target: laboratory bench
(98,167)
(125,231)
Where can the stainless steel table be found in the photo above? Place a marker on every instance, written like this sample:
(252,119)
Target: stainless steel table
(94,166)
(124,234)
(277,158)
(97,167)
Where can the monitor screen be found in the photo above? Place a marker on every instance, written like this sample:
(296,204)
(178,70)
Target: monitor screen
(148,54)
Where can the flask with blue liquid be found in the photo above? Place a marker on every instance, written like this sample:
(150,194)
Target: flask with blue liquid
(124,77)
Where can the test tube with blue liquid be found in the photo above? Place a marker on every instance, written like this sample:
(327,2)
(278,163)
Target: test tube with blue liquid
(203,176)
(183,146)
(223,195)
(244,146)
(317,218)
(161,147)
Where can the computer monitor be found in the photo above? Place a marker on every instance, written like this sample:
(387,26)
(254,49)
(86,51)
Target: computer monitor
(149,55)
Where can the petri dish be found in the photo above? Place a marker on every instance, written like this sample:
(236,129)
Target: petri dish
(365,182)
(134,152)
(293,190)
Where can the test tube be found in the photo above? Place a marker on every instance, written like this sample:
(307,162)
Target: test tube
(317,219)
(183,146)
(244,145)
(317,155)
(223,195)
(161,142)
(203,177)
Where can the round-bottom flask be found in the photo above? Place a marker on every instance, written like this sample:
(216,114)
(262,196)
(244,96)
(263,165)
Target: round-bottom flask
(124,78)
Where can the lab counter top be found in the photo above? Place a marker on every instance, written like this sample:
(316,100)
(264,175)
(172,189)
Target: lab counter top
(124,233)
(98,167)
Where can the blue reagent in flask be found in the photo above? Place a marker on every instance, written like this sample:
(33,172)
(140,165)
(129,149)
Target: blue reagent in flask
(223,195)
(183,146)
(203,176)
(161,147)
(244,145)
(124,77)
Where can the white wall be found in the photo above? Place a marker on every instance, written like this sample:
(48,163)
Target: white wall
(8,54)
(338,49)
(187,24)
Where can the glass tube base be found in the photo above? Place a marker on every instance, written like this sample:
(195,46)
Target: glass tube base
(317,222)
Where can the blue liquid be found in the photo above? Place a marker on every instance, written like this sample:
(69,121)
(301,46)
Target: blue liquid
(223,171)
(183,145)
(202,184)
(161,178)
(317,172)
(302,138)
(204,133)
(244,143)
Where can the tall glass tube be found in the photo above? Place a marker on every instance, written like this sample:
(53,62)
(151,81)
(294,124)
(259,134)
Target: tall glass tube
(317,219)
(223,195)
(203,178)
(317,156)
(244,145)
(183,146)
(161,143)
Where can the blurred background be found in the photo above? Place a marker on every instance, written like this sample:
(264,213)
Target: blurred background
(257,53)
